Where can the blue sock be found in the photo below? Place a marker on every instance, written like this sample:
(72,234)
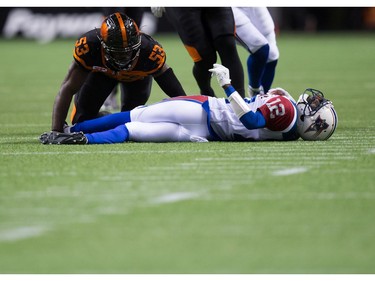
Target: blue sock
(119,134)
(256,63)
(269,75)
(104,123)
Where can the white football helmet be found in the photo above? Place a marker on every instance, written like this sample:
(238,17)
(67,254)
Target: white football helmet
(317,119)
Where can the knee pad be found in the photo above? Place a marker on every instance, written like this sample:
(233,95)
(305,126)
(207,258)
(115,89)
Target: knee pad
(274,53)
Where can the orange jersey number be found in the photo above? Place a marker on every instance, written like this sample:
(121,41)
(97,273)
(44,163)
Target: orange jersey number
(81,46)
(157,54)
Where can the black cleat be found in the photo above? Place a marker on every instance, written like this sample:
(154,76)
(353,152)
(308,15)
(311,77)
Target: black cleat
(63,138)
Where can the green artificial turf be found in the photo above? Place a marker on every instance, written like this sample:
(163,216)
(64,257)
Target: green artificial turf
(271,207)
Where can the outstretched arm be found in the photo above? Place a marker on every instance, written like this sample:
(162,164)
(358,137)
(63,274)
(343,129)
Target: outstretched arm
(169,83)
(251,120)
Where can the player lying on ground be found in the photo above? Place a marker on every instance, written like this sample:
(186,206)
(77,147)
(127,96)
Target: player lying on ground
(271,116)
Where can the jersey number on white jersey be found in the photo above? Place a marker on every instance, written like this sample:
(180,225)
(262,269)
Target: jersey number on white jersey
(276,108)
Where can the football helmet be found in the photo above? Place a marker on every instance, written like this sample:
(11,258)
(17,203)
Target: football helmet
(121,41)
(317,118)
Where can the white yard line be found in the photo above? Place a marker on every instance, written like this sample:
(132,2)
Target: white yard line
(107,152)
(20,233)
(323,196)
(290,171)
(89,152)
(25,125)
(174,197)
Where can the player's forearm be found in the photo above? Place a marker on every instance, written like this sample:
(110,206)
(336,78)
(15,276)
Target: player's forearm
(251,120)
(73,81)
(238,104)
(169,83)
(60,112)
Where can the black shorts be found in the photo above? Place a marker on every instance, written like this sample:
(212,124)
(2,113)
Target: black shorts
(198,27)
(97,88)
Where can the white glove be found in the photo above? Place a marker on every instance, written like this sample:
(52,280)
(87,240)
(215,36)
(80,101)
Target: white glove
(158,11)
(221,73)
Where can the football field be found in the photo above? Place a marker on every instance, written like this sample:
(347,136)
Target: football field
(270,207)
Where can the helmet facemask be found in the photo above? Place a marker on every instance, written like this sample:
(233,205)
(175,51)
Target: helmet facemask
(120,58)
(317,118)
(121,41)
(313,101)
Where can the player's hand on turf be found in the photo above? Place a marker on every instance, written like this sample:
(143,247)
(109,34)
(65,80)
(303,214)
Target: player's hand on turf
(54,137)
(158,11)
(221,73)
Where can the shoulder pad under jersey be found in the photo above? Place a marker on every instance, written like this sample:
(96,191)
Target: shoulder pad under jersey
(87,50)
(152,56)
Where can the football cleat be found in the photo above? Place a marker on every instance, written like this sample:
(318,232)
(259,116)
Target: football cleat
(63,138)
(255,91)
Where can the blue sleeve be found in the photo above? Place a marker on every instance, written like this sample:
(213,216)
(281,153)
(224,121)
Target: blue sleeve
(250,119)
(104,123)
(253,120)
(230,90)
(119,134)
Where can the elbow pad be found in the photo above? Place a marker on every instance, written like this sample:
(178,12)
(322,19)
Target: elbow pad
(248,118)
(238,104)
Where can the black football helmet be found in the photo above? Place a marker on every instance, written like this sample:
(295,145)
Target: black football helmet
(121,41)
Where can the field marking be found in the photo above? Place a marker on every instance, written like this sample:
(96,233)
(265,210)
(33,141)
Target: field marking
(45,153)
(25,125)
(290,171)
(93,152)
(126,152)
(20,233)
(372,150)
(174,197)
(322,196)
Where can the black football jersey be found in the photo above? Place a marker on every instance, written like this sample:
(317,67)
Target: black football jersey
(89,53)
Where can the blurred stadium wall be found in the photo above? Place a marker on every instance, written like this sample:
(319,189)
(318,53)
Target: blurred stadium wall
(48,23)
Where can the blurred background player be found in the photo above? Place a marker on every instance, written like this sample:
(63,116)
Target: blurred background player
(117,52)
(206,31)
(271,116)
(255,30)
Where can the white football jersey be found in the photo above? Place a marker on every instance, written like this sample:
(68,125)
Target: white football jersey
(279,111)
(187,118)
